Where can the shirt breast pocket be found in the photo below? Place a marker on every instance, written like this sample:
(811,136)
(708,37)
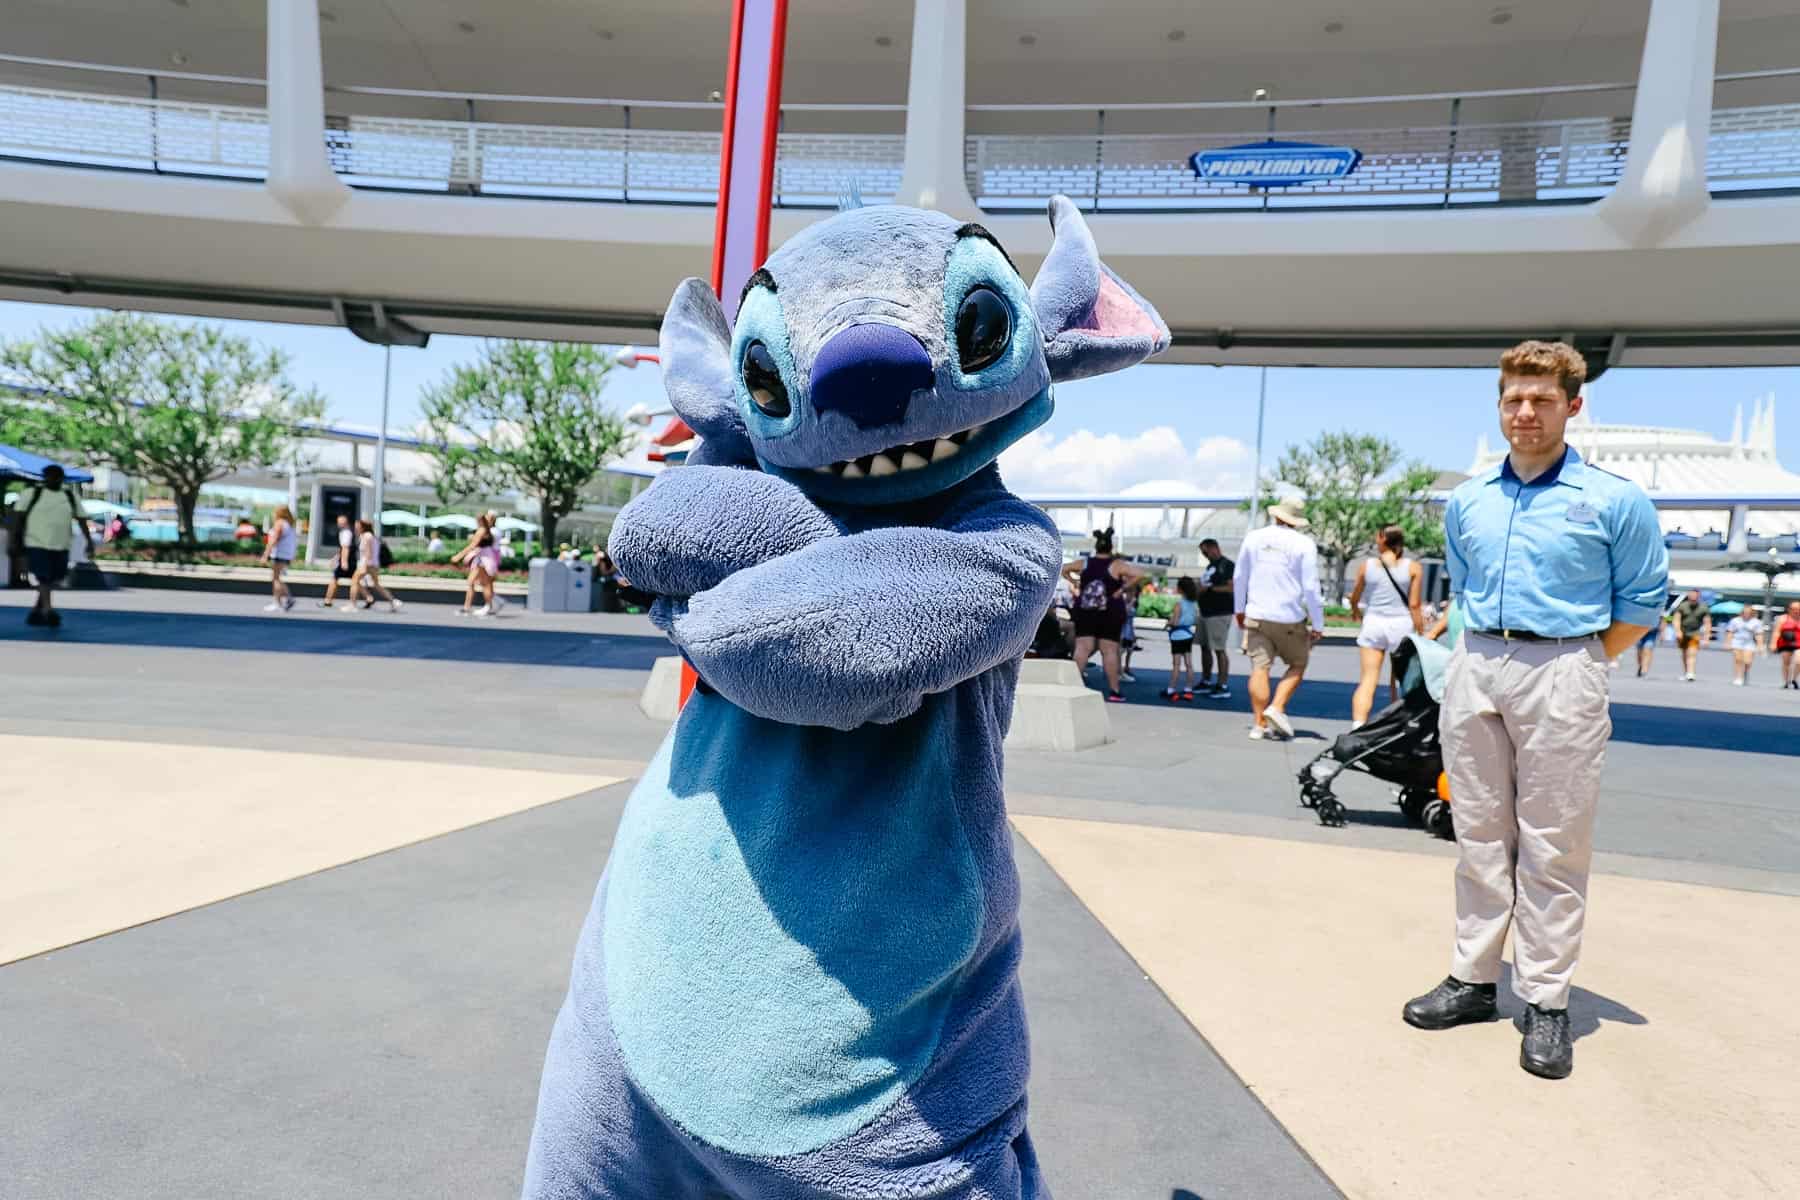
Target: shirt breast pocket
(1580,553)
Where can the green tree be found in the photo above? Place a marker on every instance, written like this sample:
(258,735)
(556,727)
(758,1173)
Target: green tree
(174,404)
(1351,488)
(525,417)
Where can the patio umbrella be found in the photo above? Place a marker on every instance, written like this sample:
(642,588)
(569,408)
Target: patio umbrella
(399,516)
(106,508)
(515,525)
(1727,608)
(21,464)
(450,521)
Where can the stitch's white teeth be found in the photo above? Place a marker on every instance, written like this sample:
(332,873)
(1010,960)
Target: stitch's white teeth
(972,432)
(942,449)
(831,470)
(883,465)
(851,471)
(912,460)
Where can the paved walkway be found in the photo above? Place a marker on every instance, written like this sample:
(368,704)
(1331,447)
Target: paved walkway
(378,834)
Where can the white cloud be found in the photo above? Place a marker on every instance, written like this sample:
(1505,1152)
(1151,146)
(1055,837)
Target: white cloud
(1155,462)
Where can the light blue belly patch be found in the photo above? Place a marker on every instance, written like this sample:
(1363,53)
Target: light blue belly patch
(787,908)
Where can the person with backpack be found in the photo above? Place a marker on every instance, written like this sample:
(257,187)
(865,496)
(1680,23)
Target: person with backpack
(1099,586)
(371,555)
(49,516)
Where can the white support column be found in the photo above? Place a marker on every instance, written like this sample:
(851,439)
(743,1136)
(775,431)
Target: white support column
(1664,183)
(1737,534)
(935,99)
(300,174)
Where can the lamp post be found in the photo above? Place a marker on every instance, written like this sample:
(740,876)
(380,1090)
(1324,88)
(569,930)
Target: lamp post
(1770,568)
(387,383)
(1262,397)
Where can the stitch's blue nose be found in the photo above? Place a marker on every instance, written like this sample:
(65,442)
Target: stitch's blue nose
(869,373)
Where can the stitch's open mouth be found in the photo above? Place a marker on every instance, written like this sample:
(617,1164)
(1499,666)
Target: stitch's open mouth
(913,456)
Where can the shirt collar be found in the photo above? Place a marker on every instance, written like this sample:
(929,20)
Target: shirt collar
(1568,471)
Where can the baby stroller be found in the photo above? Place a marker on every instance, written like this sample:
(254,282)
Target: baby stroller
(1399,744)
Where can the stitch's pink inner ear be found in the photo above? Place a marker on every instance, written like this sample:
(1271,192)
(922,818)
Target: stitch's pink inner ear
(1117,315)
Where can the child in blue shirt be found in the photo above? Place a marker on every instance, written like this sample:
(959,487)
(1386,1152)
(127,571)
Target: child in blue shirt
(1181,640)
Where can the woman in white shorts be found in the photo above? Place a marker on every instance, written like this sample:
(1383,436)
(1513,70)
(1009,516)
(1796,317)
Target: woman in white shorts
(1386,600)
(1745,637)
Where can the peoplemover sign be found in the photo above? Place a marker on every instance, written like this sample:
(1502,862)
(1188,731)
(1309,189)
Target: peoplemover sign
(1275,164)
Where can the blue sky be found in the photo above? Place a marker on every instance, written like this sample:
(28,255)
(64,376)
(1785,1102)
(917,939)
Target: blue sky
(1145,428)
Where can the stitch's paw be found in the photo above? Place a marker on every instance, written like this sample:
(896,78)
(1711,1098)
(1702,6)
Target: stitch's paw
(696,526)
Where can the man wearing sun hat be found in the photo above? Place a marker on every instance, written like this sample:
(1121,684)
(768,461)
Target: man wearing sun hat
(1276,589)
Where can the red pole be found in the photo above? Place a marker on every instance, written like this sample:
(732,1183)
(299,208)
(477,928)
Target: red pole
(746,159)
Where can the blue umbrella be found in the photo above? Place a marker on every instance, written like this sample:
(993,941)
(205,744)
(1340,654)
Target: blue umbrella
(19,464)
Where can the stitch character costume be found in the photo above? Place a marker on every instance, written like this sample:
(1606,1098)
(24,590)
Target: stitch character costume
(799,976)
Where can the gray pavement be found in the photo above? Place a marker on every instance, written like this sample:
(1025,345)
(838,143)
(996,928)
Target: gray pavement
(375,1030)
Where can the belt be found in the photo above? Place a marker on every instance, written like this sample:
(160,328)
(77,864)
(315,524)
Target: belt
(1525,635)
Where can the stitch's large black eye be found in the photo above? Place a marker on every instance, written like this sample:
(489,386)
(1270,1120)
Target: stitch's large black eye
(983,329)
(763,380)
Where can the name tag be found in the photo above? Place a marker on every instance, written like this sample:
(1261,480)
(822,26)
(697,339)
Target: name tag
(1582,514)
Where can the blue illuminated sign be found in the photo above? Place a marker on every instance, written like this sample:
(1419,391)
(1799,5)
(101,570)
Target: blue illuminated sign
(1275,164)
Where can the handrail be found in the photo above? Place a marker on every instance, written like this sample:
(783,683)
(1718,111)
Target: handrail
(713,105)
(424,94)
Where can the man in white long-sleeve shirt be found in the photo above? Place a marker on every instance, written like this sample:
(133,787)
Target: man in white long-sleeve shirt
(1280,611)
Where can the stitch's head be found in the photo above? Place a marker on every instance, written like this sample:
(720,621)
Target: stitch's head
(889,353)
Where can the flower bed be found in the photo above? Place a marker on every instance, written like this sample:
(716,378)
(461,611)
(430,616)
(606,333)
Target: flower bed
(222,557)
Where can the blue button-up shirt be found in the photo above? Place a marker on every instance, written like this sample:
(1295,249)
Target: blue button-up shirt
(1567,554)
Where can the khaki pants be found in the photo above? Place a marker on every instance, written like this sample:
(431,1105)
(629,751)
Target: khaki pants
(1524,729)
(1266,641)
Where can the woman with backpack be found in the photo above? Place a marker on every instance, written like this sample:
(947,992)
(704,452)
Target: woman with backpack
(1391,584)
(46,522)
(1099,586)
(369,561)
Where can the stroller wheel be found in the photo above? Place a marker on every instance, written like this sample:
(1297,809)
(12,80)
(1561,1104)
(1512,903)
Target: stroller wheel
(1431,813)
(1412,804)
(1331,812)
(1440,823)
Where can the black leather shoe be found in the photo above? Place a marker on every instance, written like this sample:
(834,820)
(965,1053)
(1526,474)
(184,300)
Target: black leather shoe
(1451,1002)
(1547,1050)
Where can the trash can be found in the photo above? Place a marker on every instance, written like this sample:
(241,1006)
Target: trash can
(548,589)
(581,587)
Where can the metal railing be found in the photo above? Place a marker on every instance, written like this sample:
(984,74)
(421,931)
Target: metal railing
(1526,161)
(1449,160)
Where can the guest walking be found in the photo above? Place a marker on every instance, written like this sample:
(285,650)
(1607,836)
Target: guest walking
(367,580)
(1744,634)
(1784,639)
(1386,599)
(1276,587)
(284,539)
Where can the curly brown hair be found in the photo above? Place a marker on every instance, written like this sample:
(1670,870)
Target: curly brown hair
(1547,358)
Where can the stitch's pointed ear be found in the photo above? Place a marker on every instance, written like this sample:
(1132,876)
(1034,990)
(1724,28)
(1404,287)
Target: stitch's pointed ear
(695,347)
(1092,321)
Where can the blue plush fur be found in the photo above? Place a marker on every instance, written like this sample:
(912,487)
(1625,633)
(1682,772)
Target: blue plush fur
(799,976)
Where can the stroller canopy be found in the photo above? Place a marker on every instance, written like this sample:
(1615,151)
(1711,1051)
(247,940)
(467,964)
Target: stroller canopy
(1422,663)
(21,464)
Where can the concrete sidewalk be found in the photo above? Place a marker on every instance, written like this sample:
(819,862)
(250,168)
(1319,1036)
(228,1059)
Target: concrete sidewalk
(329,868)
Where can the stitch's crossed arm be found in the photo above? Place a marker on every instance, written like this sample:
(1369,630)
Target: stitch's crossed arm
(696,526)
(862,628)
